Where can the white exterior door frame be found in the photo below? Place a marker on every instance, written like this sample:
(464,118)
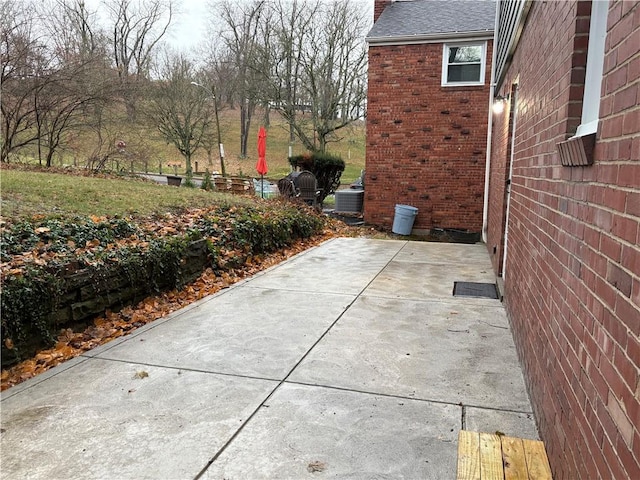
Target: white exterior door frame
(513,111)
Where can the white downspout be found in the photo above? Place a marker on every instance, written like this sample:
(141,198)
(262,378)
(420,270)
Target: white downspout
(487,168)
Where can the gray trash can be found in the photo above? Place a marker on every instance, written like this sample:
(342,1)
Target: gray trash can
(403,219)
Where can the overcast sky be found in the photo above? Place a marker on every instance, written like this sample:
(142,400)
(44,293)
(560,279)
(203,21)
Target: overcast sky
(189,25)
(189,29)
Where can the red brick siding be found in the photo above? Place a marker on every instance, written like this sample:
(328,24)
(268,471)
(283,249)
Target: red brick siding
(573,261)
(502,125)
(426,144)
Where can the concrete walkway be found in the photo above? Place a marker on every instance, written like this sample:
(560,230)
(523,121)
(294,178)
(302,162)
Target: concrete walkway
(350,360)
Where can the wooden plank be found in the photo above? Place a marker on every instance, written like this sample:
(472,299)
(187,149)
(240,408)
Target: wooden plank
(513,459)
(468,455)
(537,461)
(490,457)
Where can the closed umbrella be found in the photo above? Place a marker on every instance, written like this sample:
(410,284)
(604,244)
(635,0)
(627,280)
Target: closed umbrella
(261,166)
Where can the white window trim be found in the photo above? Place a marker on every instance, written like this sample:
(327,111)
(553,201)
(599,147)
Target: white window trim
(595,63)
(445,63)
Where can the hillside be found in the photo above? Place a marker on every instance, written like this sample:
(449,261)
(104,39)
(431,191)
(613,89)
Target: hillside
(147,151)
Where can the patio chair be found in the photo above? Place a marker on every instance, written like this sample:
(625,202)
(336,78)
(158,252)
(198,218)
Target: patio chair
(308,187)
(287,188)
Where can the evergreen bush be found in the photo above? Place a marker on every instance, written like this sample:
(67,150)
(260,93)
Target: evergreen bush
(326,167)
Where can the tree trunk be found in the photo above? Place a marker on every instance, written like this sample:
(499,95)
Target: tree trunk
(246,113)
(267,116)
(50,157)
(187,157)
(131,110)
(243,131)
(40,150)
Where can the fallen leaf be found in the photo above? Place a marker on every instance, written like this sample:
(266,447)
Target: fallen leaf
(100,322)
(316,466)
(141,374)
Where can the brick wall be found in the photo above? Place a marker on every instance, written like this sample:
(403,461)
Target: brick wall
(573,261)
(426,144)
(502,125)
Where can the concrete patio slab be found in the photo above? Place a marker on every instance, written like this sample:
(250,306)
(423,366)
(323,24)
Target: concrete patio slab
(403,279)
(104,419)
(342,266)
(17,389)
(350,360)
(512,424)
(305,432)
(249,331)
(426,350)
(445,254)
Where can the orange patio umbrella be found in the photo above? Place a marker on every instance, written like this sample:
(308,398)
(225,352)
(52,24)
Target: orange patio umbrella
(261,166)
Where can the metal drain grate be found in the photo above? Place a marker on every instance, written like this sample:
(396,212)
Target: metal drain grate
(474,289)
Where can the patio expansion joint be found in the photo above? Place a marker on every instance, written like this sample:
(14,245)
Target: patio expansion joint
(284,380)
(464,406)
(463,417)
(292,290)
(437,263)
(186,369)
(453,300)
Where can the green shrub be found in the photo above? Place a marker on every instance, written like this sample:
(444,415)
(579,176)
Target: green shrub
(326,167)
(207,183)
(44,298)
(56,235)
(260,232)
(27,304)
(188,181)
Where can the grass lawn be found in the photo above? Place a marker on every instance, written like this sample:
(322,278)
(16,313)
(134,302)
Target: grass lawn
(28,193)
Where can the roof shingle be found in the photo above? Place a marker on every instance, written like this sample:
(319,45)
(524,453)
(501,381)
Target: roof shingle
(415,18)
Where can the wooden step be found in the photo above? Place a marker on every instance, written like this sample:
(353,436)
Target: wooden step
(486,456)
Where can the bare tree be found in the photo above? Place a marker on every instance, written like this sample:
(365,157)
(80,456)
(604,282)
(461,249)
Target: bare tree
(74,30)
(137,27)
(218,78)
(182,112)
(316,67)
(242,26)
(57,77)
(334,65)
(222,73)
(61,107)
(24,73)
(286,40)
(82,45)
(81,81)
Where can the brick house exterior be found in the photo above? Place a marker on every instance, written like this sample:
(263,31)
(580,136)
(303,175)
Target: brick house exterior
(571,214)
(426,130)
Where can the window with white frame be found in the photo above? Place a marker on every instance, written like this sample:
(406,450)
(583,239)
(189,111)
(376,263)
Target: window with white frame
(595,63)
(464,63)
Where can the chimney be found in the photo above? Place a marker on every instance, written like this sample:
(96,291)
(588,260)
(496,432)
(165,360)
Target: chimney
(378,7)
